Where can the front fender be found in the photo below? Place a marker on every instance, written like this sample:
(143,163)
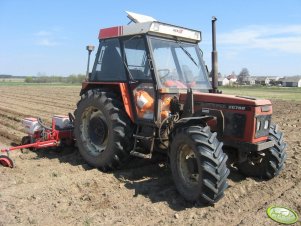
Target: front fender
(191,121)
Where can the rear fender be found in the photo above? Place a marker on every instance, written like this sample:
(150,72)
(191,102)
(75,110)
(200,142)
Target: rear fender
(120,89)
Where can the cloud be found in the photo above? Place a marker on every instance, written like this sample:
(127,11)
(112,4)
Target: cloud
(47,38)
(279,38)
(47,42)
(43,33)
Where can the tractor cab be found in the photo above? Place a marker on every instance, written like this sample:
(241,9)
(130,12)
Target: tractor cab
(154,60)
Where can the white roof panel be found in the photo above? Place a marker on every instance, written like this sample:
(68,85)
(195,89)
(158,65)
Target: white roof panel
(139,18)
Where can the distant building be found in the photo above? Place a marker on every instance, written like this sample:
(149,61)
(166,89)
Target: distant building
(232,78)
(223,82)
(294,81)
(262,80)
(274,80)
(249,81)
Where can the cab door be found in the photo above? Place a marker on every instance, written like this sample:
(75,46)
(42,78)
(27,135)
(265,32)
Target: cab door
(141,78)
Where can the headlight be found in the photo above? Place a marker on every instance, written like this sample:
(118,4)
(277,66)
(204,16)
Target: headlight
(262,125)
(258,125)
(266,124)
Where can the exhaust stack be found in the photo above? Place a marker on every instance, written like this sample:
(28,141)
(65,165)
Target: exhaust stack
(214,58)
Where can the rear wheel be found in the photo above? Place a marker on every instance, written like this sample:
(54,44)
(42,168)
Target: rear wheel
(268,163)
(102,130)
(198,164)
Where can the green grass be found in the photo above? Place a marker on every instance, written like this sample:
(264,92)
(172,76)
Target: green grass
(282,93)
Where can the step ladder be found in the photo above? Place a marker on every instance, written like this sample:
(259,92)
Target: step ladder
(137,137)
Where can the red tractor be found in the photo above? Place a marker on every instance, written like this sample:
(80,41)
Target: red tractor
(149,90)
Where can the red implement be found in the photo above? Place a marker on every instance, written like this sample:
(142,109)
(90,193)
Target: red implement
(47,137)
(6,161)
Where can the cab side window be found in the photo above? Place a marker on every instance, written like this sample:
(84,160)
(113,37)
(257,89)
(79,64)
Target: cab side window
(109,65)
(136,58)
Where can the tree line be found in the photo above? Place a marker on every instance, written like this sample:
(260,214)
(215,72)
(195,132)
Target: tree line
(55,79)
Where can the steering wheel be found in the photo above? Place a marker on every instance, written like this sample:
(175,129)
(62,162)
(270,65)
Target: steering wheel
(167,71)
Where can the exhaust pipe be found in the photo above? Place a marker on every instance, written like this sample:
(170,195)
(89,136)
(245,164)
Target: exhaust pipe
(90,48)
(214,58)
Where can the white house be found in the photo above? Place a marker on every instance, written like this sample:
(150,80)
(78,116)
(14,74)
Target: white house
(232,78)
(294,81)
(274,80)
(262,80)
(232,81)
(223,82)
(249,80)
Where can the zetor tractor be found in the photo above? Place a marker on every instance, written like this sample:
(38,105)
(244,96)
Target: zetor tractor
(149,90)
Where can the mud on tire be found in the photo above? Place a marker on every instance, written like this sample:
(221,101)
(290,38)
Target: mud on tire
(272,160)
(198,164)
(102,130)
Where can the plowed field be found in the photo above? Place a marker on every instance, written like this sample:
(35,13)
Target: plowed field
(59,188)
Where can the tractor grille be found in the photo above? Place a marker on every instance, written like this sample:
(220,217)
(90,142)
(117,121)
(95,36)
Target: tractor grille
(262,125)
(235,124)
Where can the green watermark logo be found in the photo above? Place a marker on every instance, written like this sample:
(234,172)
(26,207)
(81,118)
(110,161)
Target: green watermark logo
(282,215)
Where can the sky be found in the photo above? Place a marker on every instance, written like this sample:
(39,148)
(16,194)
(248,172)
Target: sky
(49,37)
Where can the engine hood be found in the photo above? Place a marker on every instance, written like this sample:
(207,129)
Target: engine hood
(229,99)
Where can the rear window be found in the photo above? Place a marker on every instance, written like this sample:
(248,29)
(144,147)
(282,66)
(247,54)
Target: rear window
(108,65)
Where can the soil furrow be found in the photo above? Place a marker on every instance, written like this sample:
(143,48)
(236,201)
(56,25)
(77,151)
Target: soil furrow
(40,102)
(59,188)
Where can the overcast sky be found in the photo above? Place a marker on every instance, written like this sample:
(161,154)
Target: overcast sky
(49,37)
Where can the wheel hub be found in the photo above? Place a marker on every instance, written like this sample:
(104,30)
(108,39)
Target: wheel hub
(94,131)
(97,130)
(256,158)
(188,165)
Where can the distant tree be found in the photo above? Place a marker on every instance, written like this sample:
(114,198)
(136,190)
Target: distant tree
(28,79)
(243,75)
(72,79)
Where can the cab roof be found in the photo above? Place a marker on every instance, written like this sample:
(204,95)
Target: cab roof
(148,25)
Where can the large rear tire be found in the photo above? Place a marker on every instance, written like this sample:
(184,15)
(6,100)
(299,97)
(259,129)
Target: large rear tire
(268,163)
(198,165)
(102,130)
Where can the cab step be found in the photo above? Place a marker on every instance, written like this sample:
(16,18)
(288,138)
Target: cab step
(141,155)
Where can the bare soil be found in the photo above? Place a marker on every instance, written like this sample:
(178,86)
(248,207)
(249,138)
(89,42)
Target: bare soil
(51,187)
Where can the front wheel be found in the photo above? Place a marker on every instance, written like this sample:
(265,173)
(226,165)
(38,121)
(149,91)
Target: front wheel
(198,164)
(268,163)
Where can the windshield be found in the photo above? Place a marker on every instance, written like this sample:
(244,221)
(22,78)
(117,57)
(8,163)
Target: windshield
(179,65)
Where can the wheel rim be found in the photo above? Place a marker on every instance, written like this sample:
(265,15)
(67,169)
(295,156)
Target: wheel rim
(256,159)
(94,131)
(97,130)
(188,166)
